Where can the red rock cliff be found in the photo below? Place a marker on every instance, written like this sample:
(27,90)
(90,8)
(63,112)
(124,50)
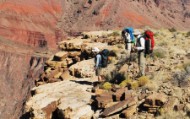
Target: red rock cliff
(30,22)
(45,22)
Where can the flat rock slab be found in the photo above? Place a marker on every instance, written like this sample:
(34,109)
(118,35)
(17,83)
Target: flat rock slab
(65,95)
(119,107)
(60,55)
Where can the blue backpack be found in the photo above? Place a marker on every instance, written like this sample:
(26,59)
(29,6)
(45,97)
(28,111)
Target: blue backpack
(129,30)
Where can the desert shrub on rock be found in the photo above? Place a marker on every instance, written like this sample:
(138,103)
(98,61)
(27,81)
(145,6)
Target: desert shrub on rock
(125,82)
(143,80)
(133,85)
(106,86)
(188,34)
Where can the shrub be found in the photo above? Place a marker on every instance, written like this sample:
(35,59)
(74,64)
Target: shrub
(156,34)
(163,43)
(107,86)
(188,34)
(115,33)
(133,85)
(172,29)
(160,53)
(143,80)
(125,82)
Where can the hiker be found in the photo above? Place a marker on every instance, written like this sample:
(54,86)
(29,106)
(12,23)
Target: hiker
(127,35)
(101,61)
(140,47)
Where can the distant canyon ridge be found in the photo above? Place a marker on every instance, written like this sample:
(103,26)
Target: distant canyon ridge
(44,22)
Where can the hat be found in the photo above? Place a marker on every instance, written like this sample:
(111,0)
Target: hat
(95,49)
(136,32)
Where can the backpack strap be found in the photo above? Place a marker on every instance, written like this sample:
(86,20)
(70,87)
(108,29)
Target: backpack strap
(138,41)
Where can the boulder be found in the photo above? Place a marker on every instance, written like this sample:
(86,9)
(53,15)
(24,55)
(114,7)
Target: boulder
(60,56)
(104,99)
(130,111)
(119,106)
(67,97)
(119,95)
(154,101)
(83,69)
(171,103)
(73,44)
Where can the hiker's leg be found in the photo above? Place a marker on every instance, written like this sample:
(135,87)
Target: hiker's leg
(142,63)
(98,73)
(139,62)
(129,48)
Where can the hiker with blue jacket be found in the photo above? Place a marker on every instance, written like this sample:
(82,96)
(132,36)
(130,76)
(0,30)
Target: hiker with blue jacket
(140,48)
(101,61)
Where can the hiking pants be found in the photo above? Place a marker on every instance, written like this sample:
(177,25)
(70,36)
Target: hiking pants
(141,62)
(128,47)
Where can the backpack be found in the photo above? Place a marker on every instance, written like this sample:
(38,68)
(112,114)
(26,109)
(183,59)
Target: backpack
(149,41)
(129,30)
(104,55)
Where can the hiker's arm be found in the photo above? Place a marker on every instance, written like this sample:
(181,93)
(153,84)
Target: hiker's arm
(142,42)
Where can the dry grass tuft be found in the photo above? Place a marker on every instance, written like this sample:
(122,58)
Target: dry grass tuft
(131,84)
(107,86)
(172,30)
(143,80)
(188,34)
(160,53)
(114,34)
(125,83)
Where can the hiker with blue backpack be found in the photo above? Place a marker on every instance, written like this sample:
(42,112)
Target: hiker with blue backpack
(127,35)
(101,61)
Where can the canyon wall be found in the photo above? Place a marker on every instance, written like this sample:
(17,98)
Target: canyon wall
(39,23)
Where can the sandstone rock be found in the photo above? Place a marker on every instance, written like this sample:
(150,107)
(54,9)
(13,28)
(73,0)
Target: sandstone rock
(172,101)
(129,94)
(66,76)
(119,106)
(44,109)
(57,75)
(83,69)
(152,102)
(60,56)
(130,111)
(74,54)
(71,44)
(70,98)
(94,34)
(104,99)
(119,95)
(50,63)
